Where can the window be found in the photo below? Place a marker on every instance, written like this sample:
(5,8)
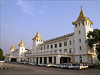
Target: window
(70,42)
(86,23)
(80,59)
(65,50)
(60,50)
(74,50)
(65,43)
(37,40)
(41,48)
(79,32)
(79,23)
(70,50)
(44,47)
(55,45)
(51,46)
(48,47)
(60,44)
(79,40)
(80,47)
(76,25)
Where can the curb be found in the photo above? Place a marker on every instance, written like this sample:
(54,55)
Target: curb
(7,67)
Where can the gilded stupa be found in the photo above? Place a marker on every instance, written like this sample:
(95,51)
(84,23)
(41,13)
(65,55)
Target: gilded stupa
(22,43)
(38,36)
(13,47)
(82,17)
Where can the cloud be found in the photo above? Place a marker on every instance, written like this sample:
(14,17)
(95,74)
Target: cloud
(41,11)
(2,24)
(26,6)
(5,25)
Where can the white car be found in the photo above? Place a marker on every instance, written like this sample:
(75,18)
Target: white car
(81,66)
(20,62)
(25,62)
(50,65)
(57,66)
(63,65)
(32,63)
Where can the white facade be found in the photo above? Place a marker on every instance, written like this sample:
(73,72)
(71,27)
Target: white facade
(64,49)
(68,48)
(18,54)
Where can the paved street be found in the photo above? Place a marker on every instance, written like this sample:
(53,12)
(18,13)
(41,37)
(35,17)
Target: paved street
(21,69)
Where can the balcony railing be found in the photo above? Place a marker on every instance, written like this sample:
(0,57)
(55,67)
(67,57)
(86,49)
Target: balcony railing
(65,53)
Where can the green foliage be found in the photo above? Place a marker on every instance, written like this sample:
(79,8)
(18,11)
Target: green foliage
(1,53)
(94,38)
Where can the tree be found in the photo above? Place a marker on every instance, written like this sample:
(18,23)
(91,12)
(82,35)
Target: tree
(94,38)
(1,53)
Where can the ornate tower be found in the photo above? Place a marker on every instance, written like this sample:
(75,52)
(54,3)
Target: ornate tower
(81,27)
(12,49)
(21,50)
(36,41)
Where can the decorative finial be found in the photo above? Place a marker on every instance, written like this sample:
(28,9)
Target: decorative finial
(81,8)
(38,29)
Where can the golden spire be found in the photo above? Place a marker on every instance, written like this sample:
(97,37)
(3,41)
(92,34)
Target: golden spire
(38,35)
(13,47)
(22,43)
(82,17)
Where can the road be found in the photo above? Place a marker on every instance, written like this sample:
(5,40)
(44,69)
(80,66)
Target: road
(21,69)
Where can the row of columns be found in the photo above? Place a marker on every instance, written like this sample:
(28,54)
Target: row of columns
(55,59)
(34,59)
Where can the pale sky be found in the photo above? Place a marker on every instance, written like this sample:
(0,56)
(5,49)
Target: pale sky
(22,19)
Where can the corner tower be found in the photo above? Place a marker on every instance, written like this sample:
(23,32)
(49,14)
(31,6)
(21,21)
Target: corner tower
(81,27)
(36,41)
(12,49)
(21,50)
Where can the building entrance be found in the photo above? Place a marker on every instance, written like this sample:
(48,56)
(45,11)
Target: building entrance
(13,60)
(50,59)
(65,60)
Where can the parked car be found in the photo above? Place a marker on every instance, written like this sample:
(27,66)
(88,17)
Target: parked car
(57,66)
(20,62)
(25,62)
(33,63)
(81,66)
(63,65)
(6,61)
(70,66)
(41,64)
(50,65)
